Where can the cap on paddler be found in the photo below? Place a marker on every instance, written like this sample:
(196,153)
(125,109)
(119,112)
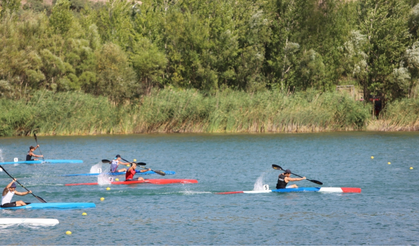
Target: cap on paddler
(118,156)
(13,185)
(287,171)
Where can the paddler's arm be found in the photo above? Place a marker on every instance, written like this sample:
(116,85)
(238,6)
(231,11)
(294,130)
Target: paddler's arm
(295,179)
(5,190)
(145,170)
(23,193)
(123,163)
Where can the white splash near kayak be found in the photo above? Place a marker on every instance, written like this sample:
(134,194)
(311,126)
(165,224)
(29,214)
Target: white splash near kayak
(29,221)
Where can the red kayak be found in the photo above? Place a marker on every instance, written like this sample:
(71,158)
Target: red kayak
(146,181)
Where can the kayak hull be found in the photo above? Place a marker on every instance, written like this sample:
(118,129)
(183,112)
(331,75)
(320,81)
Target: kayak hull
(28,221)
(300,189)
(41,162)
(146,181)
(52,205)
(117,173)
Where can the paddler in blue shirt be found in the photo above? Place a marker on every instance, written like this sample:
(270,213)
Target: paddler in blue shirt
(8,192)
(284,178)
(117,161)
(31,154)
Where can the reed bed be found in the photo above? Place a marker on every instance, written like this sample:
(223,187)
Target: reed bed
(402,115)
(175,110)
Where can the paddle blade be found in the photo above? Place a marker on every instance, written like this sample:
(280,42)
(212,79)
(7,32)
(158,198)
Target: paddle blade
(141,163)
(106,161)
(36,139)
(315,181)
(39,198)
(159,172)
(276,167)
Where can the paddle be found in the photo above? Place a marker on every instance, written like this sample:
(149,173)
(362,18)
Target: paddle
(37,197)
(36,140)
(276,167)
(156,171)
(138,163)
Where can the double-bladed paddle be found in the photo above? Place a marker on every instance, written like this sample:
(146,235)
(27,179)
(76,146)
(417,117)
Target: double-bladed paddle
(156,171)
(276,167)
(36,140)
(37,197)
(138,163)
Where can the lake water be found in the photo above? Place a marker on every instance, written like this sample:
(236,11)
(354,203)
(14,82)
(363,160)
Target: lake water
(385,213)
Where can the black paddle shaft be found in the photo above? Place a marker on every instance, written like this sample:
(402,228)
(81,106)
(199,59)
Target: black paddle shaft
(156,171)
(138,163)
(276,167)
(36,140)
(37,197)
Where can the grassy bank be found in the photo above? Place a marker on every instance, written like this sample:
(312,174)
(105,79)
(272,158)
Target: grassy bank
(172,110)
(402,115)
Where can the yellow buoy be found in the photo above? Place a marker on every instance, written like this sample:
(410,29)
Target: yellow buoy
(116,179)
(68,232)
(411,167)
(372,157)
(108,188)
(102,199)
(135,160)
(389,163)
(84,214)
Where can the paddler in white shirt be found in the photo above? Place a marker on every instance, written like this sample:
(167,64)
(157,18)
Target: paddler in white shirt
(8,192)
(117,161)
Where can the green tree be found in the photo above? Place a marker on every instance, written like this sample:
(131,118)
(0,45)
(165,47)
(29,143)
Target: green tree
(61,18)
(384,22)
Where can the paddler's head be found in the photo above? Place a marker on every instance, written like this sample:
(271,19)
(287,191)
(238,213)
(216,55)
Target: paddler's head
(134,165)
(118,157)
(31,148)
(12,187)
(288,172)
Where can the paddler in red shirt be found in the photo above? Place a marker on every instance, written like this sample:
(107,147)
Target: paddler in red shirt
(129,176)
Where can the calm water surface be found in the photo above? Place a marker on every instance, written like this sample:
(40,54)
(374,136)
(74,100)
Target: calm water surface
(385,213)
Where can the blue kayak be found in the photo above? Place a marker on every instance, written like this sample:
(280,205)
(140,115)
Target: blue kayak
(117,173)
(55,205)
(41,162)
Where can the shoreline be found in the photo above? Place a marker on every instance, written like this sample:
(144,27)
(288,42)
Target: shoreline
(375,126)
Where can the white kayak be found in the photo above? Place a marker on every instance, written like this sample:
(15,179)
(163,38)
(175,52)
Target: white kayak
(300,189)
(28,221)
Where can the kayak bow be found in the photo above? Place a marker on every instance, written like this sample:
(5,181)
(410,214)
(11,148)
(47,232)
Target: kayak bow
(117,173)
(301,189)
(28,221)
(55,205)
(146,181)
(41,162)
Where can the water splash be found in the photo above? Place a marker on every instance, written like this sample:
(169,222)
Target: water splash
(259,183)
(96,168)
(104,179)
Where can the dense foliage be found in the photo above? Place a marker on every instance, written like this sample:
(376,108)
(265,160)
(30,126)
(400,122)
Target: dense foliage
(125,51)
(122,49)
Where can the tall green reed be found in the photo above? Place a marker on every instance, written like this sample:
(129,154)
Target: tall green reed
(175,110)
